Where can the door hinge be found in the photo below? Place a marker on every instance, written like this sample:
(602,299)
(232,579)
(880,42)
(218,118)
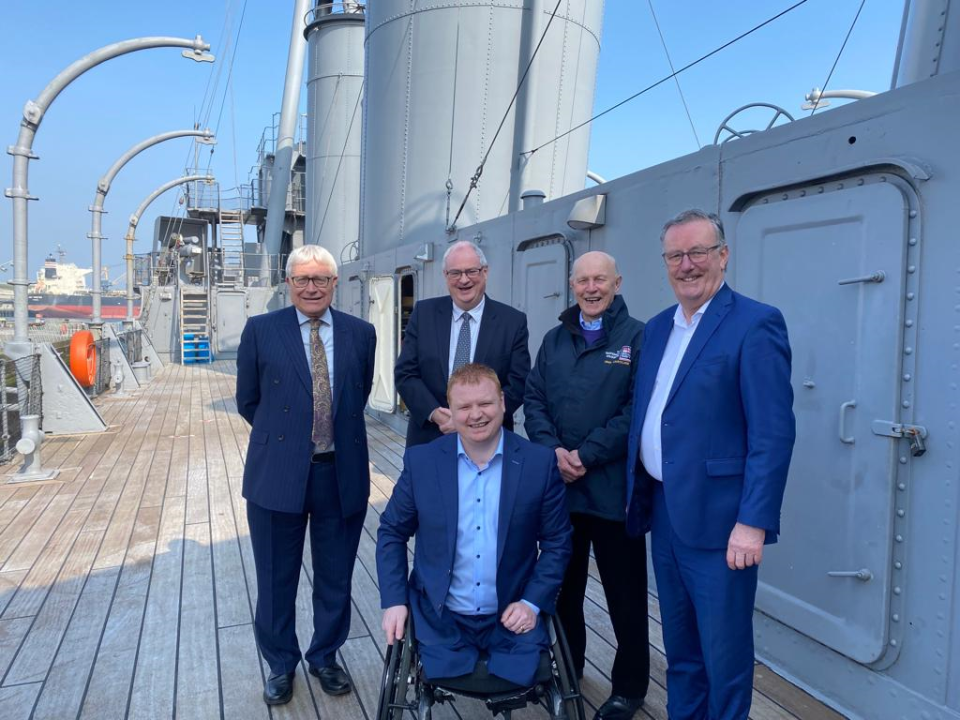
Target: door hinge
(916,434)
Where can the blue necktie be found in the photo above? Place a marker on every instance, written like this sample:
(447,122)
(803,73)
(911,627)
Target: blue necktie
(462,355)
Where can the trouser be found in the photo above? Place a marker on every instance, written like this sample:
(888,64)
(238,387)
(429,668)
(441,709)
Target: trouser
(277,539)
(707,614)
(622,563)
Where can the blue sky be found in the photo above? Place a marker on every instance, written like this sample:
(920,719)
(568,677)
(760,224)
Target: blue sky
(129,99)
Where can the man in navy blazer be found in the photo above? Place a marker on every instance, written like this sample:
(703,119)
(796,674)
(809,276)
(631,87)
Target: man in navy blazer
(709,449)
(444,333)
(481,503)
(303,377)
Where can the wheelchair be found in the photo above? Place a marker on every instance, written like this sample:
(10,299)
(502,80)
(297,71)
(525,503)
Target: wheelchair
(406,692)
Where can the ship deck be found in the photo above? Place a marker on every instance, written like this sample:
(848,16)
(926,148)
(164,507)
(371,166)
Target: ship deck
(127,586)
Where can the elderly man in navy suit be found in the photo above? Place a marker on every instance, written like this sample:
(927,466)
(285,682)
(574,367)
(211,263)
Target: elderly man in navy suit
(709,449)
(303,377)
(481,502)
(445,333)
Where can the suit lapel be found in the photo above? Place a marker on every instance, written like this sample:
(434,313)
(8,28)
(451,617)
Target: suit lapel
(709,323)
(488,322)
(341,349)
(293,340)
(509,484)
(444,316)
(448,482)
(651,357)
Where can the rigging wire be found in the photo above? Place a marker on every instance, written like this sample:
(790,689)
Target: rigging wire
(226,89)
(343,152)
(675,78)
(476,176)
(665,79)
(842,47)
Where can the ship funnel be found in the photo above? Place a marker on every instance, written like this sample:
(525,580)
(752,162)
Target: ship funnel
(440,78)
(334,124)
(929,41)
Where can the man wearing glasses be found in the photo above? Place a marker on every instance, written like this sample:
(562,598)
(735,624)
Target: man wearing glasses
(303,377)
(709,449)
(444,334)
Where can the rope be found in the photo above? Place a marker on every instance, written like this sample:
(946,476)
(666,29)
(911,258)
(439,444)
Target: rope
(844,45)
(674,71)
(665,79)
(476,176)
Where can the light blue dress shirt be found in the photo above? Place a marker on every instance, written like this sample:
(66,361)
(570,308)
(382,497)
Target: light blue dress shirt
(326,337)
(592,325)
(473,590)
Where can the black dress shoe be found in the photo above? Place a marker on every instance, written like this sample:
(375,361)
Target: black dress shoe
(618,707)
(333,679)
(279,688)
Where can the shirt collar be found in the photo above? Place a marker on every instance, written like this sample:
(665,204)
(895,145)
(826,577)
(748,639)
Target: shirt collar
(326,318)
(461,453)
(680,319)
(476,313)
(593,324)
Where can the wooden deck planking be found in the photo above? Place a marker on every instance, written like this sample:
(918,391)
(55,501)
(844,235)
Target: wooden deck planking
(127,589)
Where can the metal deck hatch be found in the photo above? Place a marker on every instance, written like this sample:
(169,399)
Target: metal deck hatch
(834,264)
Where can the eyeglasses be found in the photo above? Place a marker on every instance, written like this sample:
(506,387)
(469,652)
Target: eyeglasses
(471,273)
(321,282)
(697,255)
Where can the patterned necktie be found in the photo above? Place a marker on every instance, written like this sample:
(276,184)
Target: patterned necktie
(322,400)
(462,355)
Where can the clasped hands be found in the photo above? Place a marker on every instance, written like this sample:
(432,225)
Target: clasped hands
(443,418)
(518,618)
(569,464)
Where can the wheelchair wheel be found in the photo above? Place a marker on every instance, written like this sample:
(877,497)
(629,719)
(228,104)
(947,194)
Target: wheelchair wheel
(565,675)
(395,681)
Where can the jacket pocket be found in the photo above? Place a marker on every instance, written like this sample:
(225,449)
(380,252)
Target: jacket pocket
(259,437)
(726,466)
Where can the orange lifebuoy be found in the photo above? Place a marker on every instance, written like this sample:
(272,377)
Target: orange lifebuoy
(83,358)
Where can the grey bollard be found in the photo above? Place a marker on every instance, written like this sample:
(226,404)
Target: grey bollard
(141,371)
(29,446)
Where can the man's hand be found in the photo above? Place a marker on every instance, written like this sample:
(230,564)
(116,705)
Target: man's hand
(745,546)
(519,618)
(443,418)
(569,465)
(394,622)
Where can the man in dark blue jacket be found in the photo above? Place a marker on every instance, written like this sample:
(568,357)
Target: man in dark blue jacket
(578,402)
(482,502)
(303,377)
(447,332)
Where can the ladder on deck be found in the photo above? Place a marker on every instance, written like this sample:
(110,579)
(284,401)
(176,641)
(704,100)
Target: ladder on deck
(231,246)
(195,325)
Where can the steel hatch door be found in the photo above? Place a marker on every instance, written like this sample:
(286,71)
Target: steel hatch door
(383,397)
(541,283)
(846,341)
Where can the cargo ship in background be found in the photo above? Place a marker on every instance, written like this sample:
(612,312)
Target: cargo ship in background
(61,291)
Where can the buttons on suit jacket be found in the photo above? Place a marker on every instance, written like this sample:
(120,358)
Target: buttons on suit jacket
(280,438)
(286,408)
(276,381)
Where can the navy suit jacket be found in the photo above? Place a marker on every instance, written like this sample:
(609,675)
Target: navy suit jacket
(727,428)
(275,395)
(422,368)
(425,501)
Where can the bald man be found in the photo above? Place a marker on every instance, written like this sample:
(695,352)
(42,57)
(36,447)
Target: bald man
(578,402)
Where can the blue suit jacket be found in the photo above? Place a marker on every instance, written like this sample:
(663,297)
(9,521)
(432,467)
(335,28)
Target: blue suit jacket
(425,502)
(275,395)
(422,368)
(727,428)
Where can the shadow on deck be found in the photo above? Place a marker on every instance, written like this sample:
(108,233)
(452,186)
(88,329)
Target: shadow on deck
(127,585)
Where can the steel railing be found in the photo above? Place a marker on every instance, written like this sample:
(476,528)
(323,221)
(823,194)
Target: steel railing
(21,394)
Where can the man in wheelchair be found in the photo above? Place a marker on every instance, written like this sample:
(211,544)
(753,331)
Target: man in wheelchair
(481,502)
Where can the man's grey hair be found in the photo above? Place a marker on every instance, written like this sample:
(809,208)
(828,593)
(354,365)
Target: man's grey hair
(465,243)
(608,256)
(693,215)
(310,253)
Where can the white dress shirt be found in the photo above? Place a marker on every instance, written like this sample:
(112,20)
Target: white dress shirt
(326,337)
(455,322)
(651,447)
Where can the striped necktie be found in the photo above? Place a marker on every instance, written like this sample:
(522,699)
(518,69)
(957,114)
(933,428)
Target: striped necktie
(462,355)
(322,435)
